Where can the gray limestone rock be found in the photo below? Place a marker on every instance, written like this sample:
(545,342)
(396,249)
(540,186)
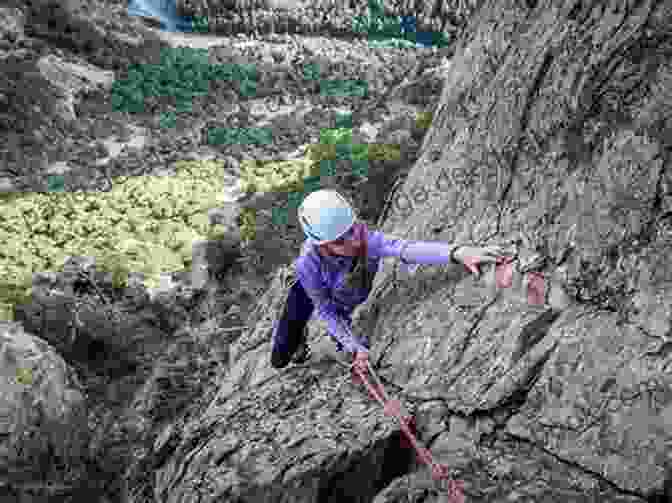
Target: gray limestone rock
(550,136)
(563,401)
(43,414)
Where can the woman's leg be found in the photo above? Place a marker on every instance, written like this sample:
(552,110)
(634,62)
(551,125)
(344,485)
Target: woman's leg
(289,332)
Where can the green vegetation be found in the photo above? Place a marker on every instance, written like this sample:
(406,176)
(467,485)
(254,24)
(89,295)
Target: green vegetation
(200,24)
(343,87)
(336,144)
(311,71)
(183,73)
(378,26)
(335,136)
(167,120)
(394,31)
(343,120)
(144,224)
(240,136)
(300,177)
(55,183)
(359,152)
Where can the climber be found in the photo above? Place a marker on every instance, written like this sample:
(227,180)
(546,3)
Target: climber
(335,272)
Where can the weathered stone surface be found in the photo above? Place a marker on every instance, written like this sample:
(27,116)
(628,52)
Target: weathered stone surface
(71,79)
(44,427)
(213,257)
(550,145)
(29,97)
(552,137)
(12,23)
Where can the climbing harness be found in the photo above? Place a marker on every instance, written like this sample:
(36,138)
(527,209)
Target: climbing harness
(394,408)
(359,275)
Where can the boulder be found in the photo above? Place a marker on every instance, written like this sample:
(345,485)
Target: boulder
(93,325)
(12,23)
(72,79)
(31,99)
(44,428)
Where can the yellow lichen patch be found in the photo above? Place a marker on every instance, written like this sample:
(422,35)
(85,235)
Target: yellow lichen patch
(144,224)
(384,152)
(248,224)
(275,176)
(6,311)
(423,120)
(24,376)
(321,152)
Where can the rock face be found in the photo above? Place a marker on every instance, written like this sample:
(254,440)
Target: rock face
(44,428)
(553,138)
(72,79)
(137,371)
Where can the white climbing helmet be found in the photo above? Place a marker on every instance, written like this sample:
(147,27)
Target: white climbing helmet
(325,216)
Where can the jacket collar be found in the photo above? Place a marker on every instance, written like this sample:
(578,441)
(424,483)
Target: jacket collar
(335,261)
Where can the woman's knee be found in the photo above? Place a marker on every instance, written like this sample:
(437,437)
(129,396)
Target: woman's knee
(279,360)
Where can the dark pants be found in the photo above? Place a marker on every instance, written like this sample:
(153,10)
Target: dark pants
(290,329)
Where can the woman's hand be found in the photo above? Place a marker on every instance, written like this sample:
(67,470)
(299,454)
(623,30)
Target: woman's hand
(361,362)
(473,256)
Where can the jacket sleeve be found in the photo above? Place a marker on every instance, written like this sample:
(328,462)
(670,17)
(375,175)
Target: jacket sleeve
(311,280)
(412,252)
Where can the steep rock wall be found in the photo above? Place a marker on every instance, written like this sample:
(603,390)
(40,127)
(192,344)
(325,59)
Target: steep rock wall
(553,134)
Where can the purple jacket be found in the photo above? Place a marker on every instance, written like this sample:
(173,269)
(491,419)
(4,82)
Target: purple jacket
(322,279)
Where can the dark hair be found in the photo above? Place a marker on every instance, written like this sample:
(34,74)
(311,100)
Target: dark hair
(359,275)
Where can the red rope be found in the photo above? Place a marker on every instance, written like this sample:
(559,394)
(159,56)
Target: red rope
(439,472)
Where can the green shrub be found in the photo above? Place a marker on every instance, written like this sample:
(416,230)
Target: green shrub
(240,136)
(343,88)
(182,73)
(275,176)
(311,71)
(200,24)
(335,136)
(360,152)
(343,120)
(382,152)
